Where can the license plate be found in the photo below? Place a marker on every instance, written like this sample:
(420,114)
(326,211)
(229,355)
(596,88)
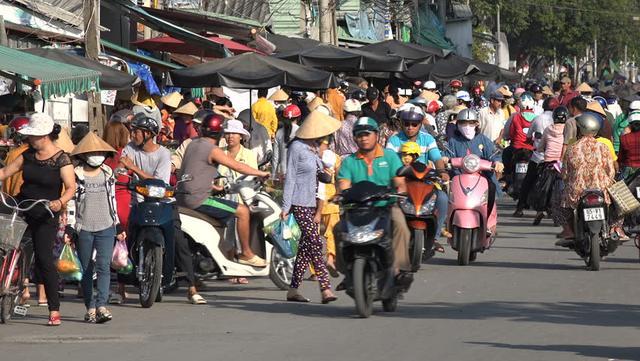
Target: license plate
(594,214)
(20,310)
(522,167)
(638,192)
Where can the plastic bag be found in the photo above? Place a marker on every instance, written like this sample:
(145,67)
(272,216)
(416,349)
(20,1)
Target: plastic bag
(285,235)
(120,256)
(68,264)
(540,196)
(294,231)
(126,269)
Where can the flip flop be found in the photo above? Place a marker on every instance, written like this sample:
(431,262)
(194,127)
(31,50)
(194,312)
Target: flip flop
(438,247)
(196,299)
(43,304)
(329,299)
(254,261)
(333,271)
(239,281)
(298,298)
(54,321)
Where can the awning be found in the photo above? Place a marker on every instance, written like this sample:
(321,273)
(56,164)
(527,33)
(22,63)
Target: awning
(54,78)
(172,45)
(290,44)
(141,15)
(111,79)
(130,54)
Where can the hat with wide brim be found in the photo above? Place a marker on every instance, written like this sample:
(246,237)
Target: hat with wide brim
(279,96)
(595,107)
(235,127)
(39,124)
(187,109)
(547,91)
(584,88)
(64,141)
(504,90)
(317,101)
(92,143)
(172,99)
(317,125)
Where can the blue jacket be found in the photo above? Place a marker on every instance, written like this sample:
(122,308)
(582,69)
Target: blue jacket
(480,145)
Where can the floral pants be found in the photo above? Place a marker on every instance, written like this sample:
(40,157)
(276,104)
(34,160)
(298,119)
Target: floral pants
(309,249)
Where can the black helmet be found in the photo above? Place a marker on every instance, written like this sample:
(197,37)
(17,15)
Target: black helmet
(560,114)
(141,121)
(535,88)
(359,95)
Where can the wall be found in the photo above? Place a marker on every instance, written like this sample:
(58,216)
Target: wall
(461,34)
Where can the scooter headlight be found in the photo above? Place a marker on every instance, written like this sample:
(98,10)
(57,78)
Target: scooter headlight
(154,191)
(471,163)
(428,206)
(407,206)
(363,234)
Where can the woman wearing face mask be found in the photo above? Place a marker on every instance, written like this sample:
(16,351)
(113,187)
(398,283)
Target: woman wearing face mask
(290,118)
(96,220)
(467,139)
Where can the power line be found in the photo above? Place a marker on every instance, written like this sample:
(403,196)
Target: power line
(575,9)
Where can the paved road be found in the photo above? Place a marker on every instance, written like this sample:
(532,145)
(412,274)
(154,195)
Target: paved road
(523,300)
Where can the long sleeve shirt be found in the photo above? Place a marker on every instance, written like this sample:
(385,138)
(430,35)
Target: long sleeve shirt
(265,113)
(301,182)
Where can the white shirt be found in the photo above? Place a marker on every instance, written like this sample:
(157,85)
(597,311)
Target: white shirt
(491,123)
(538,125)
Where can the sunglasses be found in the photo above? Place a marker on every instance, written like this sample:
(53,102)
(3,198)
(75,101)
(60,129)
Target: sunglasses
(412,124)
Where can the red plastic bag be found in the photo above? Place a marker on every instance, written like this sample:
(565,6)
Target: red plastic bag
(120,256)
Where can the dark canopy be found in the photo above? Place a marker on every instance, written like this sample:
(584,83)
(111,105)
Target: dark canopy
(333,58)
(111,79)
(287,44)
(409,52)
(457,67)
(252,71)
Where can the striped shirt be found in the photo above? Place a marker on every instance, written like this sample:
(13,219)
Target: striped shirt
(428,147)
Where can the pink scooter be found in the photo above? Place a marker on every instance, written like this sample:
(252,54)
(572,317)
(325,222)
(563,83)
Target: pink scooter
(473,230)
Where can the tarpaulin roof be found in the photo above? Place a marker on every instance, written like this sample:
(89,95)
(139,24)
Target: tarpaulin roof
(285,44)
(54,78)
(333,58)
(408,51)
(173,45)
(454,66)
(252,71)
(142,16)
(111,79)
(130,54)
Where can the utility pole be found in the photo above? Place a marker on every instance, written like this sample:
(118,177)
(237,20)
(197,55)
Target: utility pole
(326,21)
(5,42)
(92,50)
(498,36)
(595,58)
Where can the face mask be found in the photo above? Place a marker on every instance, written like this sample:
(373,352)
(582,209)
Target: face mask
(95,160)
(351,117)
(468,131)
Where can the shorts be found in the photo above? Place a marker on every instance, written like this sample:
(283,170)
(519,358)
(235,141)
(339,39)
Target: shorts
(221,209)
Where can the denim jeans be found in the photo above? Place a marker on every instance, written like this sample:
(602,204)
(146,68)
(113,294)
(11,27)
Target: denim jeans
(442,206)
(102,242)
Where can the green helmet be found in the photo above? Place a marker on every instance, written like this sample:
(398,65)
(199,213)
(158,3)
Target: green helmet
(365,124)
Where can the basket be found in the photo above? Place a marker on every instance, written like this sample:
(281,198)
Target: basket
(11,232)
(625,201)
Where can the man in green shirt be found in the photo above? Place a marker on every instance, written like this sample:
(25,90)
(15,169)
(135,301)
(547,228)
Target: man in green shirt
(377,165)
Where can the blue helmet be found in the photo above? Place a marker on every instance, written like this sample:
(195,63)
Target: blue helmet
(601,100)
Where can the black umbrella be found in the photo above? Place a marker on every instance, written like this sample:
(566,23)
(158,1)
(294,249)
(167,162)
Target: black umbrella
(457,67)
(333,58)
(252,71)
(410,52)
(111,79)
(286,43)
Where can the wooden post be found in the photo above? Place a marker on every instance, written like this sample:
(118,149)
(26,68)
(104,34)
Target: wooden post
(92,50)
(3,33)
(326,22)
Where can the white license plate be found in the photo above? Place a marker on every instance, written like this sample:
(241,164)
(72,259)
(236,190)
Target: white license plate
(593,214)
(638,192)
(522,167)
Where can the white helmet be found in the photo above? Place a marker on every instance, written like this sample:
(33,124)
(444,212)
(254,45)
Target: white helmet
(429,85)
(406,107)
(352,105)
(634,117)
(463,95)
(635,105)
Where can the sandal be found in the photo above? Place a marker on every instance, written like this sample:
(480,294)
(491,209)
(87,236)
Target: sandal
(332,270)
(117,299)
(239,281)
(538,219)
(54,320)
(329,299)
(196,299)
(90,317)
(438,247)
(103,315)
(298,298)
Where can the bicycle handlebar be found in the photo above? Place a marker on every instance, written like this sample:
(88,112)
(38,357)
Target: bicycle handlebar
(17,208)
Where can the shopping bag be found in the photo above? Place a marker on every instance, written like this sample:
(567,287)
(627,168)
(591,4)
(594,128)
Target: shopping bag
(276,232)
(126,269)
(294,231)
(540,196)
(68,264)
(120,255)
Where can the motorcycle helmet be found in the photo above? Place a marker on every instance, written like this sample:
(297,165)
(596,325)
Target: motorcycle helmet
(365,125)
(200,115)
(550,104)
(527,101)
(212,126)
(15,125)
(588,124)
(143,122)
(410,148)
(291,111)
(635,105)
(359,95)
(476,91)
(560,114)
(601,100)
(467,115)
(455,83)
(535,88)
(430,85)
(433,107)
(373,93)
(634,117)
(463,95)
(411,114)
(352,106)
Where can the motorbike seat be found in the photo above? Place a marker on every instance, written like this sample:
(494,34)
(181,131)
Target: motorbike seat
(195,214)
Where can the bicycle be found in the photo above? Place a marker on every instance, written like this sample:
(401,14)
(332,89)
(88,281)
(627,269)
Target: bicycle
(14,265)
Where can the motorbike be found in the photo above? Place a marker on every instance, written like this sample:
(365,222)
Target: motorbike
(632,220)
(591,225)
(470,220)
(151,230)
(365,247)
(206,236)
(520,168)
(418,208)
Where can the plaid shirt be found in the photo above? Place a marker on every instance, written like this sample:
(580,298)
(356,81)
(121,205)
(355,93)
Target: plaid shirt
(629,155)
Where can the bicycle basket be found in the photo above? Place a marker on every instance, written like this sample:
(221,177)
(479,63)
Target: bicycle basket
(11,232)
(623,198)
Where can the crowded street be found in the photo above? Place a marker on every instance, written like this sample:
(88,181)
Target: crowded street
(524,299)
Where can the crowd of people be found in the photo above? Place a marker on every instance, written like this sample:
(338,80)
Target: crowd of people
(316,145)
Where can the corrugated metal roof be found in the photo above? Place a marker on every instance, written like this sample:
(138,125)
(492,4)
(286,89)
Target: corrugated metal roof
(250,9)
(285,16)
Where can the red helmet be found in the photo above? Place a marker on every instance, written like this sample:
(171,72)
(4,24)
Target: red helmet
(15,126)
(433,107)
(291,111)
(455,83)
(476,91)
(212,125)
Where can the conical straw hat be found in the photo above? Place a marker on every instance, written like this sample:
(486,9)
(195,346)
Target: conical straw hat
(188,109)
(172,99)
(317,101)
(584,88)
(92,143)
(279,96)
(64,141)
(318,125)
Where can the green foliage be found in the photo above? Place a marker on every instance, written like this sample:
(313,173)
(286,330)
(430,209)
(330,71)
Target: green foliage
(536,27)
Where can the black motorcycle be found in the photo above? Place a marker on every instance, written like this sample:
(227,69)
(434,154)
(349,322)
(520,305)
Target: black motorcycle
(365,248)
(152,232)
(520,160)
(632,220)
(591,225)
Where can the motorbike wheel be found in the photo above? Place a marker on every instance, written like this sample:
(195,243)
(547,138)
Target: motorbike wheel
(6,307)
(593,261)
(464,245)
(390,305)
(10,299)
(473,256)
(150,284)
(281,270)
(417,249)
(363,287)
